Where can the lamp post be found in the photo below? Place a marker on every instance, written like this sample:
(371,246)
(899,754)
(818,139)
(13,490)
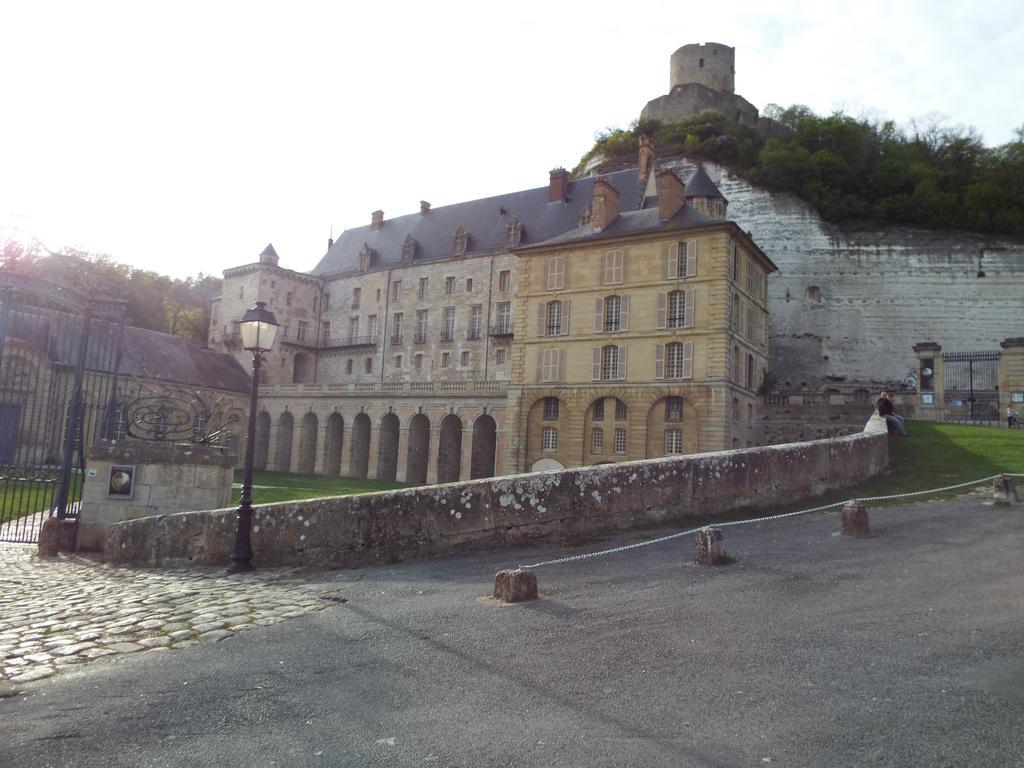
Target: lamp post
(258,329)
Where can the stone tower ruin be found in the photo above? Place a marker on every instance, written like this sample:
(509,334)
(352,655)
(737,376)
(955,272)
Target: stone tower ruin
(712,65)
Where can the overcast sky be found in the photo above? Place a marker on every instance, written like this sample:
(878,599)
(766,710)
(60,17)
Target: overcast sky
(183,137)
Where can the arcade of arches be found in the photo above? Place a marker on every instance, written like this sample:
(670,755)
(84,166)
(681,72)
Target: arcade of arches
(426,445)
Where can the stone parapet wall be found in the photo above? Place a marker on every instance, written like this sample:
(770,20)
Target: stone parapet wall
(562,506)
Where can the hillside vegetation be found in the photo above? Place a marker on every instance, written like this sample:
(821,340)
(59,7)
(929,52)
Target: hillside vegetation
(854,169)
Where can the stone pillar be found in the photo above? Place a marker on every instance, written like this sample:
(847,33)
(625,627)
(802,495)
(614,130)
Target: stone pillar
(403,454)
(435,449)
(931,388)
(319,465)
(466,462)
(855,520)
(1011,377)
(499,452)
(371,464)
(272,434)
(515,433)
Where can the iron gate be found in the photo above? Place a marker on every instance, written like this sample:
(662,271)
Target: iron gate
(972,386)
(59,355)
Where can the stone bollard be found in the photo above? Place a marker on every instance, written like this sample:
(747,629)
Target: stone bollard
(711,547)
(515,586)
(855,520)
(56,536)
(1003,491)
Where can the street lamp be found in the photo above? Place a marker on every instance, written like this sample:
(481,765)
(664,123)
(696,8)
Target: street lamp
(258,329)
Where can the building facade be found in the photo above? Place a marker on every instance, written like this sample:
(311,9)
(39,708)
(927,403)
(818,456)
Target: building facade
(593,320)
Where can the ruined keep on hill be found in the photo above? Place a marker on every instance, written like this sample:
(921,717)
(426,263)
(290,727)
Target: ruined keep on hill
(702,76)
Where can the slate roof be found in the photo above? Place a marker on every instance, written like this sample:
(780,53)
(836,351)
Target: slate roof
(635,222)
(484,220)
(701,185)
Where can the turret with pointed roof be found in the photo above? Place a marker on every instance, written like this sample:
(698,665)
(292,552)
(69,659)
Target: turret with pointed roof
(704,195)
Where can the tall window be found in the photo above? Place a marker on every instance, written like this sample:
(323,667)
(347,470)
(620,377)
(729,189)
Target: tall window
(677,309)
(676,362)
(357,294)
(396,290)
(469,285)
(673,441)
(348,366)
(609,362)
(751,277)
(750,371)
(556,273)
(449,286)
(459,242)
(736,262)
(620,440)
(620,410)
(423,288)
(553,324)
(418,361)
(750,322)
(464,358)
(673,409)
(325,330)
(549,439)
(505,317)
(505,280)
(550,361)
(368,365)
(371,327)
(599,410)
(550,409)
(737,310)
(596,440)
(398,362)
(499,356)
(613,267)
(448,331)
(397,327)
(421,326)
(353,329)
(301,334)
(446,359)
(682,260)
(613,313)
(475,314)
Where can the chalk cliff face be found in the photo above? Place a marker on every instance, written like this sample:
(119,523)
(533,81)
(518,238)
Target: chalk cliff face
(848,303)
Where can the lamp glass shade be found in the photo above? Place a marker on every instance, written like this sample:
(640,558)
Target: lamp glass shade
(258,328)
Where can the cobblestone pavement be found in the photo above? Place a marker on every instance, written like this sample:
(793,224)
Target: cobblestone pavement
(73,609)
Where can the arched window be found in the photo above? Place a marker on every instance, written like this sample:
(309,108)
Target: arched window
(673,409)
(620,410)
(613,313)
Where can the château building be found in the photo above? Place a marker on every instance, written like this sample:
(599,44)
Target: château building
(593,320)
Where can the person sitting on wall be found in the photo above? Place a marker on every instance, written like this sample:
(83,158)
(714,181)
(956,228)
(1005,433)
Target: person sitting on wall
(885,409)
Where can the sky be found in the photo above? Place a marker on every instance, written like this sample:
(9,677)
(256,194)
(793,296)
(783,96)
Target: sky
(183,137)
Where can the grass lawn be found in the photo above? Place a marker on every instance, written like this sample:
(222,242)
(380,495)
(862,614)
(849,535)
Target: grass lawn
(21,496)
(270,487)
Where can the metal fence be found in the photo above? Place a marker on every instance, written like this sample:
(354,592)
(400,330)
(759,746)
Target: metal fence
(971,386)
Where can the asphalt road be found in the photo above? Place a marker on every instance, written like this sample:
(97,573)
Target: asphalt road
(902,649)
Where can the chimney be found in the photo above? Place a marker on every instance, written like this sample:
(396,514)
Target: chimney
(646,159)
(376,219)
(557,185)
(424,207)
(605,205)
(671,194)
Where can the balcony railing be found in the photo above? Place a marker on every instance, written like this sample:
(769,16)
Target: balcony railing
(353,387)
(366,340)
(500,329)
(420,338)
(473,334)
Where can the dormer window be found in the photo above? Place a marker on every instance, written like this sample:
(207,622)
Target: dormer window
(514,233)
(460,242)
(586,214)
(365,258)
(408,249)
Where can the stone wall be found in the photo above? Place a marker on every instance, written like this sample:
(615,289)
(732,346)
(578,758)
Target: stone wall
(562,506)
(167,478)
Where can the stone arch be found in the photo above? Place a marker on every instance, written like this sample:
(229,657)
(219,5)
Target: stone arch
(302,368)
(538,419)
(449,452)
(418,455)
(307,443)
(285,428)
(485,442)
(661,417)
(360,445)
(333,444)
(387,448)
(261,448)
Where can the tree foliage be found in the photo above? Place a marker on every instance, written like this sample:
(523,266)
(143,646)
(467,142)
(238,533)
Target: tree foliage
(154,301)
(927,174)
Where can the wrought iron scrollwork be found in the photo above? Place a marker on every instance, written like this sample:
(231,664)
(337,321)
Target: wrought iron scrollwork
(176,415)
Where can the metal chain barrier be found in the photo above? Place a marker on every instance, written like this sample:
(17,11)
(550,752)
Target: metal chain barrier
(749,521)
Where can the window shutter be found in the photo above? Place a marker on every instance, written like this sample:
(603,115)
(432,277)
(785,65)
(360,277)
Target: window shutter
(622,362)
(540,364)
(659,361)
(597,364)
(672,262)
(542,311)
(599,315)
(691,258)
(624,313)
(547,274)
(688,360)
(564,329)
(689,309)
(662,309)
(561,353)
(758,328)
